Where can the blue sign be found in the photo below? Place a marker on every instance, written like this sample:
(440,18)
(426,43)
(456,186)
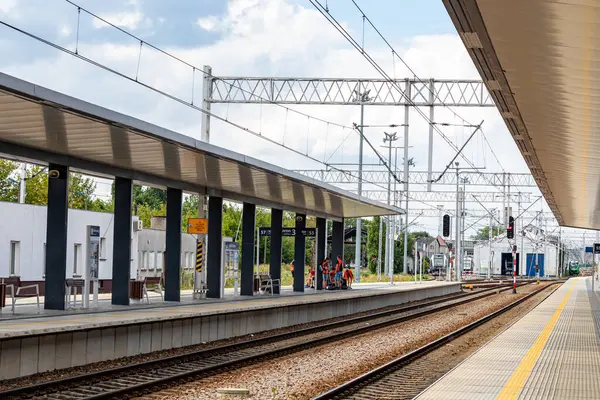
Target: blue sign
(589,249)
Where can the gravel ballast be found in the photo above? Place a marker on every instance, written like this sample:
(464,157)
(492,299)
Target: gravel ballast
(307,373)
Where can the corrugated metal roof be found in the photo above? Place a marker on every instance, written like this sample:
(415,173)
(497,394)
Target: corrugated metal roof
(103,141)
(542,56)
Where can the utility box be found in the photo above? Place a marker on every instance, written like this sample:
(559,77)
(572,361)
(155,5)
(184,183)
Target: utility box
(92,265)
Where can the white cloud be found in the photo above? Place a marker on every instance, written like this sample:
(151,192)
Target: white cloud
(65,30)
(7,6)
(126,19)
(209,23)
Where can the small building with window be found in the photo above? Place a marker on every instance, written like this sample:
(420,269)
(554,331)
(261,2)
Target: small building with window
(23,245)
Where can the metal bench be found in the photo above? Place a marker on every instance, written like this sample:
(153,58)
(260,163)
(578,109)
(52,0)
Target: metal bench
(155,287)
(267,283)
(18,291)
(74,285)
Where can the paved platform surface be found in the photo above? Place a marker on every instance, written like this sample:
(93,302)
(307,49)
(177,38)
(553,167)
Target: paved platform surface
(551,353)
(49,321)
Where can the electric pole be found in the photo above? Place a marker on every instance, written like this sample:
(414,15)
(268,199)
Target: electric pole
(361,97)
(389,138)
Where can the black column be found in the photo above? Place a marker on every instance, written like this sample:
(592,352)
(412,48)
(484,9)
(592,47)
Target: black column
(173,245)
(213,257)
(321,243)
(299,253)
(275,266)
(122,242)
(337,241)
(248,229)
(56,238)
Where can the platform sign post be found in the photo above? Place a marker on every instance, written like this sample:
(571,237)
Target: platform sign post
(595,263)
(199,227)
(91,264)
(514,268)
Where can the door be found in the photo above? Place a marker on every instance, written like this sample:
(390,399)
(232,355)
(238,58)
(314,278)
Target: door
(507,264)
(530,271)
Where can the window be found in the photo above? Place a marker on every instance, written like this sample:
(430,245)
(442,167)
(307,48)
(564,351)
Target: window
(102,254)
(152,261)
(76,258)
(159,260)
(14,258)
(143,260)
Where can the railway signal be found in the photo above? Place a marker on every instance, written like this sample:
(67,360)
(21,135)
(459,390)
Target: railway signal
(510,231)
(446,225)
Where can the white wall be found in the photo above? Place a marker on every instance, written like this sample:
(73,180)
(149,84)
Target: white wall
(151,245)
(27,224)
(481,256)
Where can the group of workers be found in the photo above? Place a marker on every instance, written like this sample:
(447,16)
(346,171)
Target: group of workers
(334,277)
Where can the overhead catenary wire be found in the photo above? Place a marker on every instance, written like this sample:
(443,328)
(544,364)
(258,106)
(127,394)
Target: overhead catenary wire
(340,28)
(178,100)
(415,76)
(194,69)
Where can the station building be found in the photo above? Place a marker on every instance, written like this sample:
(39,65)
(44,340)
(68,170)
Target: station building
(548,258)
(23,245)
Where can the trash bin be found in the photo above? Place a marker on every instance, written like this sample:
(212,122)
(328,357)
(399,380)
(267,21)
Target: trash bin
(136,289)
(2,295)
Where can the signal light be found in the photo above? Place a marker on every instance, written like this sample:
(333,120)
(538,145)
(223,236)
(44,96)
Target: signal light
(510,231)
(446,225)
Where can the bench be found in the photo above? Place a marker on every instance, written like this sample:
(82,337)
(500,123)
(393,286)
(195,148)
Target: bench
(73,285)
(267,283)
(155,287)
(18,291)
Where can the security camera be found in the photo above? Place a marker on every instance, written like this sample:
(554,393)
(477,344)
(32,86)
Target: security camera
(53,174)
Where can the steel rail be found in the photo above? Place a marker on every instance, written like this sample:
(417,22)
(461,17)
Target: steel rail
(379,374)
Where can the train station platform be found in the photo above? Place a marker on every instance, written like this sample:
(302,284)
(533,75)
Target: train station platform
(551,353)
(46,342)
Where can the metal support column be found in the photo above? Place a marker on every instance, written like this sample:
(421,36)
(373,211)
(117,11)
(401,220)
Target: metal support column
(321,243)
(213,258)
(122,226)
(299,253)
(173,245)
(248,230)
(337,241)
(56,238)
(457,250)
(490,262)
(200,277)
(405,177)
(379,244)
(431,116)
(275,265)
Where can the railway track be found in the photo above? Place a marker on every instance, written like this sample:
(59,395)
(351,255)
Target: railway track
(146,377)
(393,379)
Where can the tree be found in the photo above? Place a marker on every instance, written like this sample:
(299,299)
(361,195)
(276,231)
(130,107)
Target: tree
(9,188)
(483,233)
(399,250)
(145,213)
(81,190)
(36,186)
(373,243)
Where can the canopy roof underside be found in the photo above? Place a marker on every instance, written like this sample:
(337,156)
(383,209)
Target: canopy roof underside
(39,124)
(540,59)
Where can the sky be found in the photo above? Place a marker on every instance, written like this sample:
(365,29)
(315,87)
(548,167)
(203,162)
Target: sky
(279,38)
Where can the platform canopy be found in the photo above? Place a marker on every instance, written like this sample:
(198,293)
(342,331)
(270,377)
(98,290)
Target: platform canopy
(42,125)
(540,61)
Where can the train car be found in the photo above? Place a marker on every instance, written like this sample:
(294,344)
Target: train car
(573,268)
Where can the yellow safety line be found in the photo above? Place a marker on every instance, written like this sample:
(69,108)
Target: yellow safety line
(515,384)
